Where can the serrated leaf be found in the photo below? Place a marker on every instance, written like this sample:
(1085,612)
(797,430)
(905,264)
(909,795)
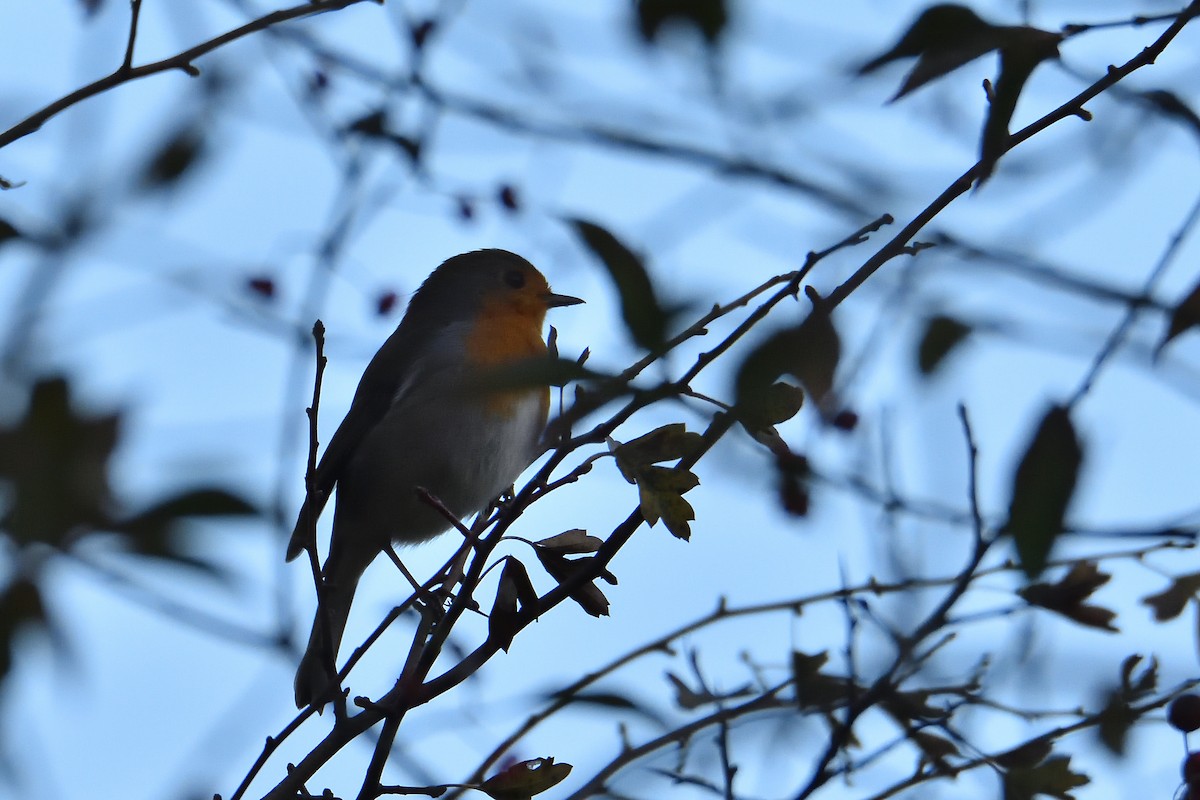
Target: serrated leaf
(942,335)
(1067,596)
(709,17)
(1042,488)
(525,779)
(660,492)
(1170,602)
(644,317)
(668,443)
(1052,777)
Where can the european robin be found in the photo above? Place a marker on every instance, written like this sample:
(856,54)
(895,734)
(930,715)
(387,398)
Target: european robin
(421,418)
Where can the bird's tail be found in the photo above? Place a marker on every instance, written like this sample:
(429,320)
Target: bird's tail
(316,677)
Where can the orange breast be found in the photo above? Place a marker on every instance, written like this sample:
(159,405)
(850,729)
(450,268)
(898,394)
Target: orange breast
(505,333)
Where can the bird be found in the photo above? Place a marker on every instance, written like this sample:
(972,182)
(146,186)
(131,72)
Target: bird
(421,418)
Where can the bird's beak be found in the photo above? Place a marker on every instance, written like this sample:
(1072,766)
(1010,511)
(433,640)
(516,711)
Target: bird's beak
(553,300)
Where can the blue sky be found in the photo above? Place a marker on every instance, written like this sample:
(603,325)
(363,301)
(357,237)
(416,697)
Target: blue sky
(153,316)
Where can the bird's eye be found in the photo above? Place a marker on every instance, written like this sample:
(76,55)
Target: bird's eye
(515,278)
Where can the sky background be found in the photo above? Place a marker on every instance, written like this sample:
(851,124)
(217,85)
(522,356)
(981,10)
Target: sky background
(152,315)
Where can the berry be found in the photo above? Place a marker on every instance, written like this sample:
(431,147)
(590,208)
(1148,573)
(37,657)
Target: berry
(1184,713)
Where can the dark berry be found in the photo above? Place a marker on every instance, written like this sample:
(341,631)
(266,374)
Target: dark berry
(1184,712)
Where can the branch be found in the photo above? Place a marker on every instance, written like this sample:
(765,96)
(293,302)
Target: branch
(181,61)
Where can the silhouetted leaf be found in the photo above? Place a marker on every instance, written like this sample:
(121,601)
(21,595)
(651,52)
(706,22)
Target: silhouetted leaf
(8,231)
(1052,777)
(174,158)
(1118,714)
(586,594)
(1022,51)
(808,352)
(152,531)
(645,318)
(943,38)
(1170,602)
(514,588)
(1042,488)
(20,607)
(55,465)
(572,542)
(1184,316)
(1067,596)
(708,16)
(942,335)
(534,373)
(525,779)
(668,443)
(1172,105)
(610,701)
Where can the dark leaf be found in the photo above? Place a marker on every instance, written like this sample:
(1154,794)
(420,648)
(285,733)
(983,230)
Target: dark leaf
(515,587)
(1185,315)
(709,17)
(1022,51)
(934,749)
(1029,754)
(174,159)
(507,195)
(668,443)
(533,373)
(572,542)
(1052,777)
(645,319)
(524,779)
(1067,596)
(1170,602)
(1042,488)
(20,607)
(942,335)
(1118,715)
(8,232)
(690,699)
(808,352)
(943,38)
(55,465)
(152,532)
(1172,105)
(385,302)
(586,594)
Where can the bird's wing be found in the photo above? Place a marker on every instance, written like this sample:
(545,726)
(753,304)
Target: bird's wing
(381,381)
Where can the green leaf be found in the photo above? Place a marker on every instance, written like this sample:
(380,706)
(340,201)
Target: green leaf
(55,465)
(668,443)
(1052,777)
(709,17)
(1042,488)
(524,779)
(942,335)
(645,318)
(660,491)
